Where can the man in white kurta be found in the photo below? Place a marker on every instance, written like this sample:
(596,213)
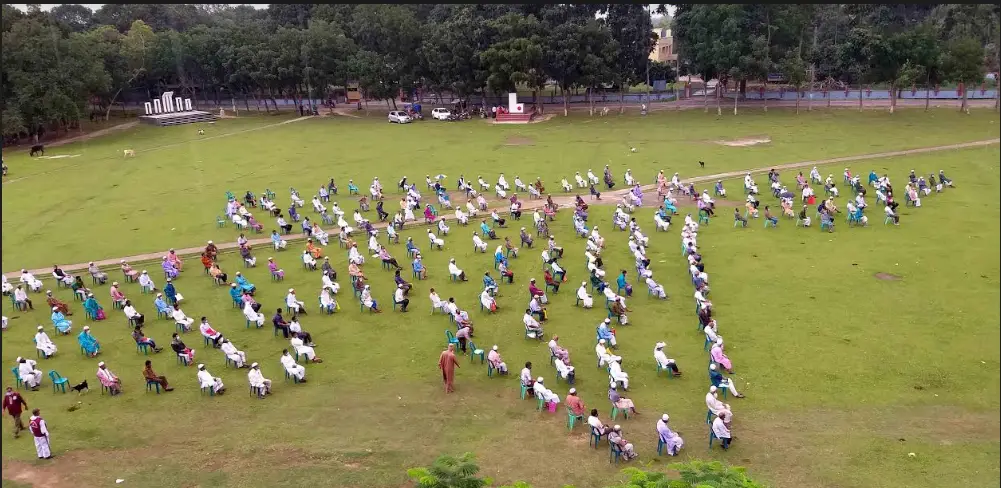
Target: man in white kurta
(604,356)
(36,424)
(237,356)
(714,404)
(206,380)
(292,368)
(301,348)
(252,316)
(585,300)
(293,302)
(28,372)
(43,343)
(257,380)
(531,325)
(478,244)
(544,393)
(616,373)
(656,289)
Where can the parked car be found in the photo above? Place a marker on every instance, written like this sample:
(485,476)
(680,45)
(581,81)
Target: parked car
(440,113)
(399,117)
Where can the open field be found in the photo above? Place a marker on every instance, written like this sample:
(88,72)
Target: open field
(170,194)
(845,373)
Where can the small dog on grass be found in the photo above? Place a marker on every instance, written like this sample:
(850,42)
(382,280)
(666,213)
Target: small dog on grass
(81,387)
(702,164)
(37,148)
(130,153)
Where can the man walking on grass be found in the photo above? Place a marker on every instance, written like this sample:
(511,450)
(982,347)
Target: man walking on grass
(447,363)
(14,404)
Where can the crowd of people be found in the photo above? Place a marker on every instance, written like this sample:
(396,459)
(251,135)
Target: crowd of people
(616,288)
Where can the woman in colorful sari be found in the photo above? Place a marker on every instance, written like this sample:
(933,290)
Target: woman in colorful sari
(92,307)
(174,259)
(168,268)
(88,343)
(59,321)
(245,285)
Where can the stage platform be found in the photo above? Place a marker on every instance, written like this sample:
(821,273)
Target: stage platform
(513,118)
(177,118)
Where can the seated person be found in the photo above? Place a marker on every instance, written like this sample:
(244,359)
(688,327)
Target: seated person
(141,339)
(625,447)
(532,326)
(496,362)
(586,300)
(665,362)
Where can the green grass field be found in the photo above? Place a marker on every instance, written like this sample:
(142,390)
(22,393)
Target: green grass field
(845,373)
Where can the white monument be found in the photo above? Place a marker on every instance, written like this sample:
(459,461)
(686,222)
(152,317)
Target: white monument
(512,104)
(168,104)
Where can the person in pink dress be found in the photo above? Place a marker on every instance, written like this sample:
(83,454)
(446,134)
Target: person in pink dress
(720,357)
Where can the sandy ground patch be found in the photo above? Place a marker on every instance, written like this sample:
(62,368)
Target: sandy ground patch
(887,277)
(746,141)
(519,141)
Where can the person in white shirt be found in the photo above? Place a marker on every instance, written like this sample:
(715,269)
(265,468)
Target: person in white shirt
(713,403)
(595,422)
(210,333)
(526,378)
(292,302)
(564,370)
(180,318)
(29,279)
(443,227)
(656,288)
(301,348)
(591,177)
(617,375)
(235,355)
(258,381)
(567,188)
(206,380)
(29,373)
(461,217)
(721,430)
(252,315)
(503,182)
(711,331)
(44,343)
(603,354)
(663,361)
(21,297)
(892,215)
(329,284)
(435,240)
(478,244)
(132,314)
(586,300)
(436,302)
(495,360)
(455,271)
(309,260)
(532,326)
(293,368)
(579,180)
(355,256)
(400,297)
(487,301)
(326,301)
(544,393)
(146,281)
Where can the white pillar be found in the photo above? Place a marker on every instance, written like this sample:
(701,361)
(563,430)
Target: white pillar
(149,108)
(157,108)
(178,104)
(167,99)
(512,102)
(187,104)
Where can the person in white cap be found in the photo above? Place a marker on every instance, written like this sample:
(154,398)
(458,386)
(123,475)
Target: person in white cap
(237,356)
(717,380)
(29,373)
(604,333)
(368,300)
(663,361)
(59,321)
(88,343)
(495,360)
(292,302)
(615,437)
(301,348)
(532,326)
(206,380)
(616,374)
(400,297)
(557,351)
(293,368)
(718,356)
(721,429)
(258,381)
(108,379)
(564,370)
(656,289)
(586,300)
(713,403)
(252,315)
(43,343)
(603,354)
(146,281)
(544,393)
(29,279)
(671,439)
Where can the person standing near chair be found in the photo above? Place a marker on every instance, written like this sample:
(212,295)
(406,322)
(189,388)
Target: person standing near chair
(14,404)
(36,424)
(447,364)
(152,377)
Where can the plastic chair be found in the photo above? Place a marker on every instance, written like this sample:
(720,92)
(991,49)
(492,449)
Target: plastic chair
(209,389)
(703,217)
(295,379)
(151,384)
(572,418)
(770,222)
(614,453)
(182,360)
(450,338)
(524,390)
(473,351)
(57,381)
(595,439)
(616,411)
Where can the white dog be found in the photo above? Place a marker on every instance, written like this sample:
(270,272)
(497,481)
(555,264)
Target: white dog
(130,153)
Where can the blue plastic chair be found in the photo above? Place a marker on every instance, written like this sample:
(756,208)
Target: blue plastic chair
(595,439)
(151,384)
(142,348)
(450,338)
(473,351)
(57,381)
(614,453)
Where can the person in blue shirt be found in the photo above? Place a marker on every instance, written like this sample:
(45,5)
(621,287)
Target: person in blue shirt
(487,231)
(245,285)
(489,284)
(623,284)
(170,292)
(716,379)
(161,304)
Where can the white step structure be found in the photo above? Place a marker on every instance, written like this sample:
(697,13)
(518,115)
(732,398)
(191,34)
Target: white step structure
(170,110)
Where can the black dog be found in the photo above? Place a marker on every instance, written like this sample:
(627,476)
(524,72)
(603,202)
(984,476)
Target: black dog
(80,388)
(702,164)
(37,148)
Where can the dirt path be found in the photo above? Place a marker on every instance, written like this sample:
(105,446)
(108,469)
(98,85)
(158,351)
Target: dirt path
(91,135)
(528,205)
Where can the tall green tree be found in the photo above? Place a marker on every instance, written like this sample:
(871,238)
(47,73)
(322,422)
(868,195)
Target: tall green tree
(963,62)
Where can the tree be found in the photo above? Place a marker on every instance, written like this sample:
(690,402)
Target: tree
(794,68)
(573,50)
(449,472)
(694,474)
(963,62)
(517,57)
(72,17)
(632,30)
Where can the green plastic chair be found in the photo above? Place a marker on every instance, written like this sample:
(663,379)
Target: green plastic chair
(572,419)
(17,376)
(57,381)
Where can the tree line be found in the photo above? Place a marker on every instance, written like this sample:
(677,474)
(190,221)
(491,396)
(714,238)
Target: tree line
(838,45)
(56,65)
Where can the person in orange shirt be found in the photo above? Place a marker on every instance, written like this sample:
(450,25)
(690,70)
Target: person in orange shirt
(316,251)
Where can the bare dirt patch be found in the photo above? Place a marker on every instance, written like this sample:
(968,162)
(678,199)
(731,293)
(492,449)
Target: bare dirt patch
(746,141)
(887,277)
(519,141)
(541,118)
(25,473)
(345,113)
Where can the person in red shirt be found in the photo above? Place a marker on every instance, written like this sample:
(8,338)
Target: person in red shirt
(14,404)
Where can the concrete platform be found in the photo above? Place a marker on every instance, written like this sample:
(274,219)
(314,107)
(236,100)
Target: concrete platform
(177,118)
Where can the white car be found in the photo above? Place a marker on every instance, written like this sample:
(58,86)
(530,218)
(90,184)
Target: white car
(440,113)
(399,117)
